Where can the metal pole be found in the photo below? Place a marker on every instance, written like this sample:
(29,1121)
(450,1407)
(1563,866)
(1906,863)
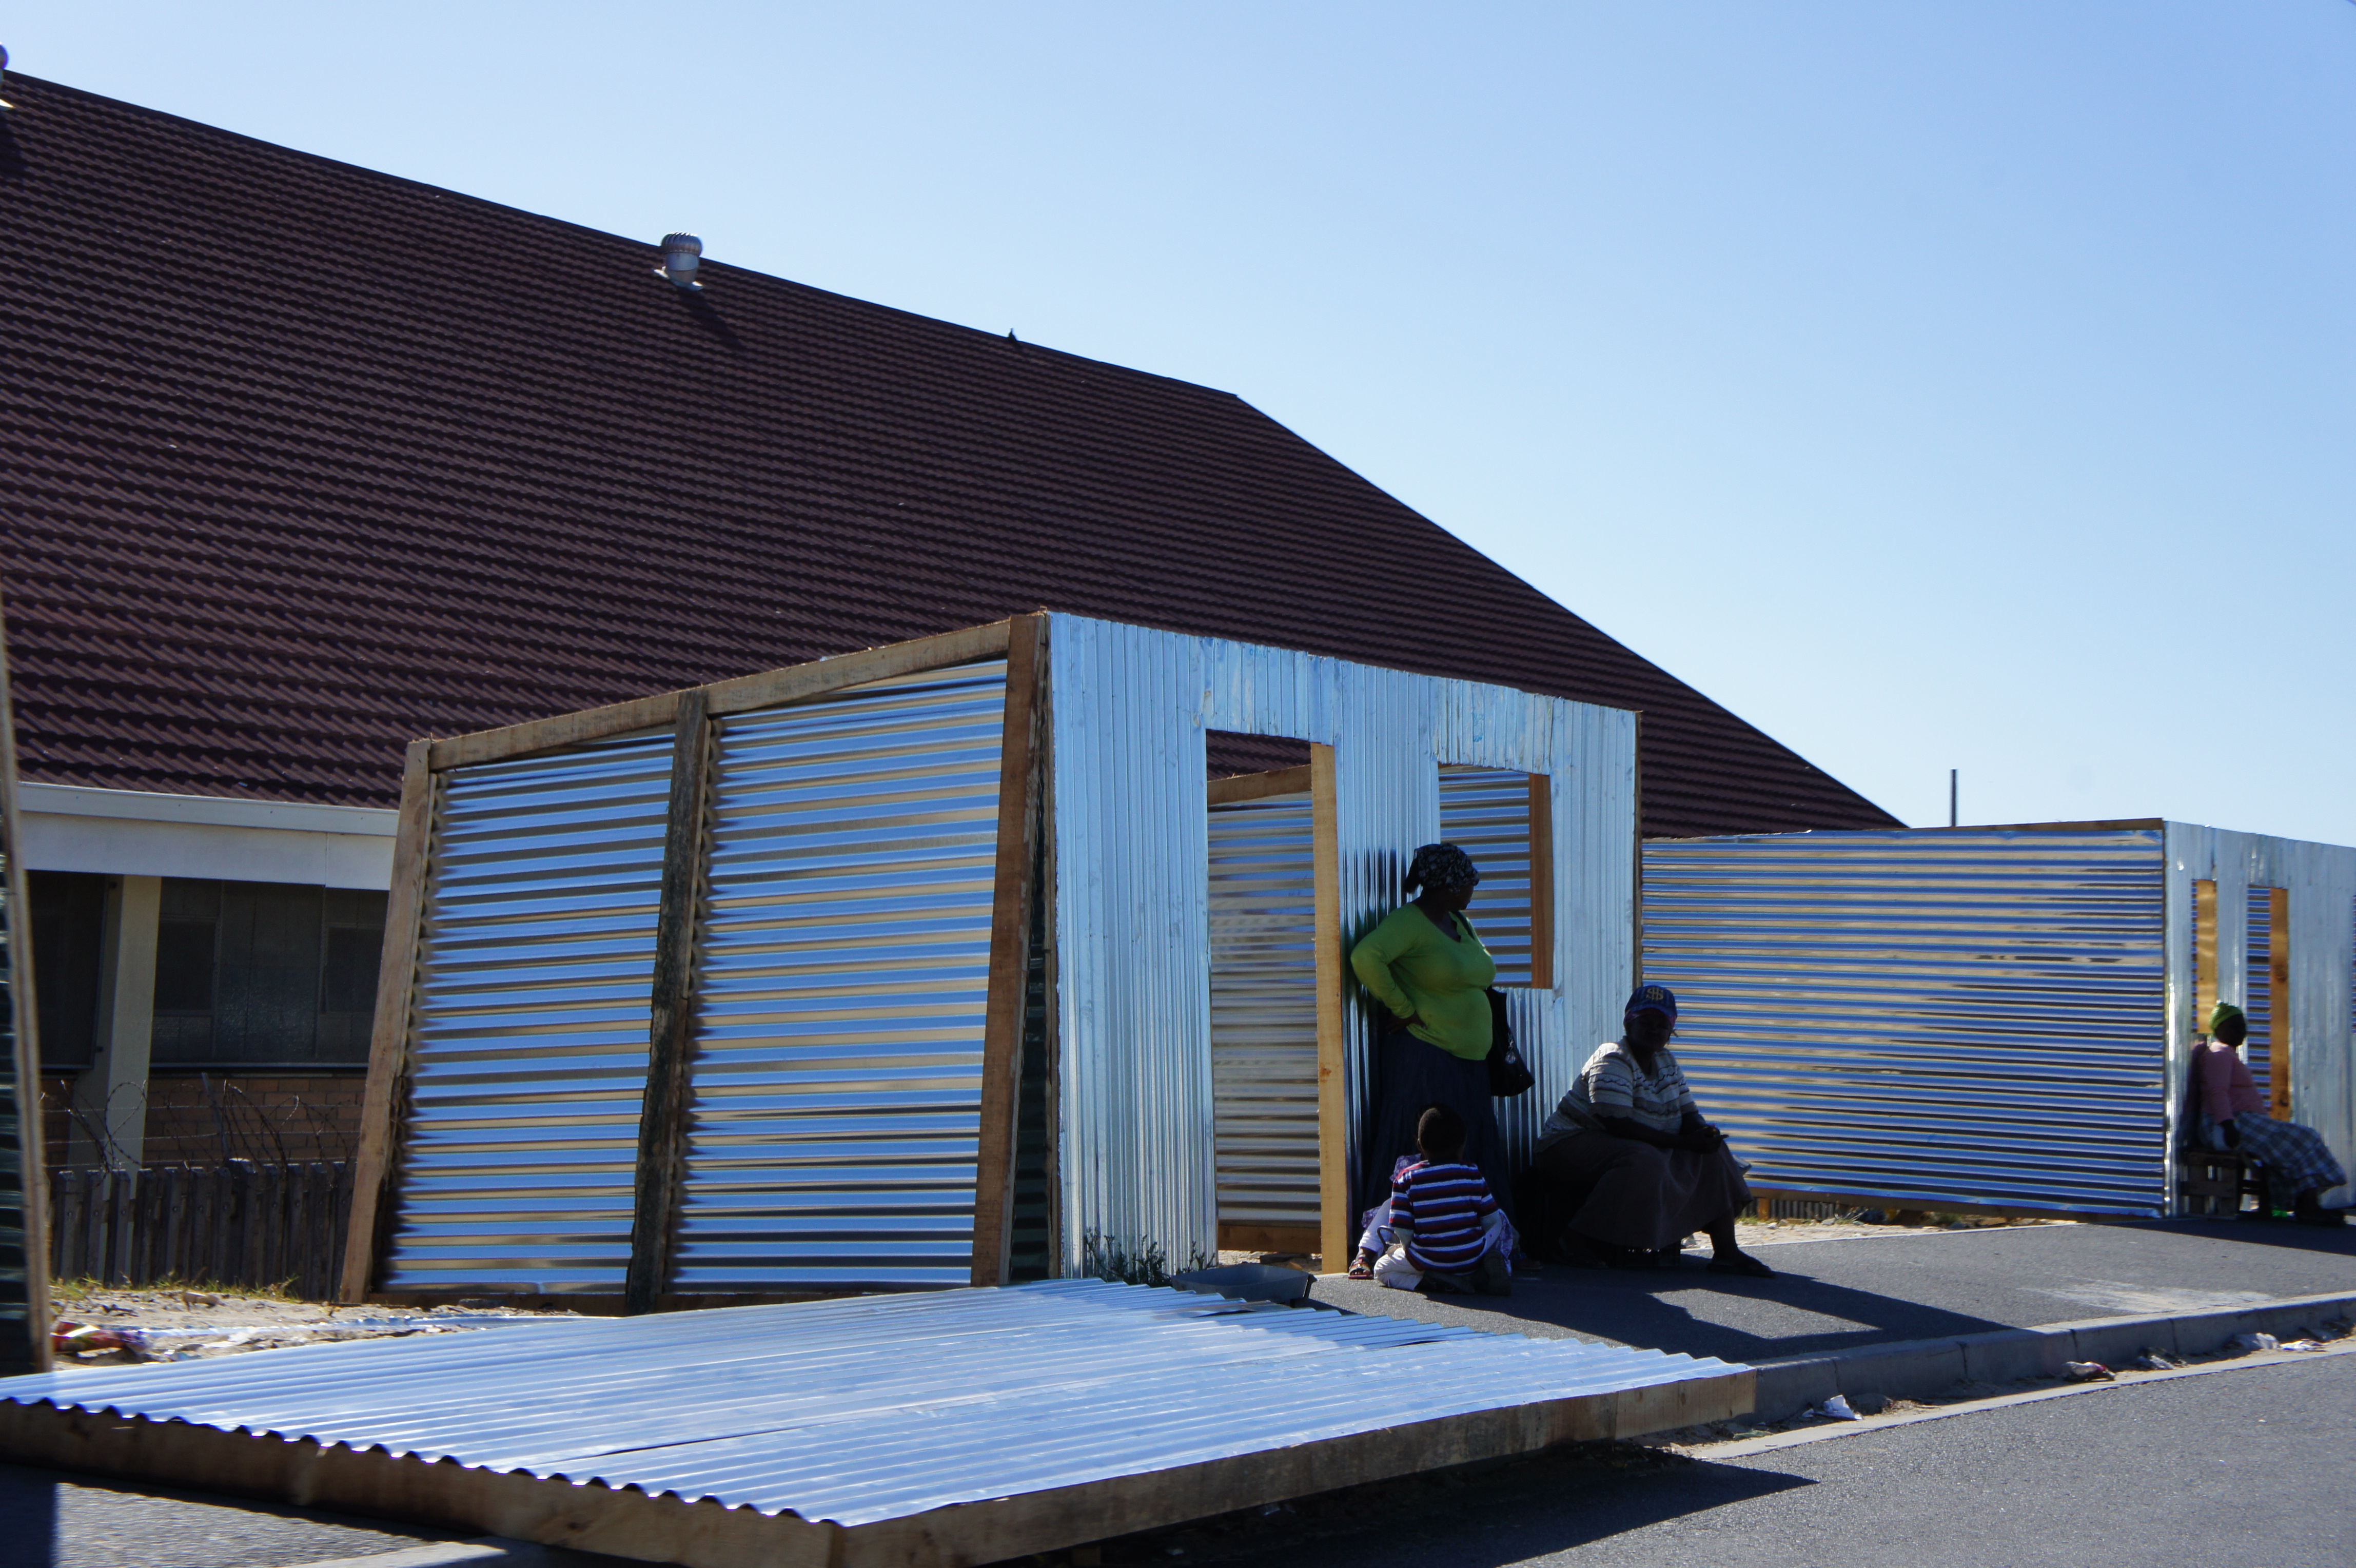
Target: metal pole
(1954,795)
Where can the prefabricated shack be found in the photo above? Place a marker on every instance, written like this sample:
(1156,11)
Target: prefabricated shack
(946,963)
(1998,1017)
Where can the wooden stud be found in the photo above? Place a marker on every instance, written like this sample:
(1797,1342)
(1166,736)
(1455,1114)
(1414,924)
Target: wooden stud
(1021,773)
(664,1110)
(799,682)
(388,1074)
(1303,1238)
(1636,901)
(1258,786)
(766,689)
(1332,1041)
(2278,976)
(2204,954)
(1542,888)
(558,731)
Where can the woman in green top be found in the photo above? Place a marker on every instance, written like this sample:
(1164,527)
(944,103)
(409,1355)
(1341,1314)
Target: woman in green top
(1427,967)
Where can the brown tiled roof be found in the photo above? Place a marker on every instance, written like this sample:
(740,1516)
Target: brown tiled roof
(299,460)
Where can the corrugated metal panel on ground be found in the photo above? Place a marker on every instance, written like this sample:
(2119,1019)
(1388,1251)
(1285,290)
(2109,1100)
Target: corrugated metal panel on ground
(530,1028)
(876,1407)
(1264,1010)
(844,973)
(1485,811)
(1970,1017)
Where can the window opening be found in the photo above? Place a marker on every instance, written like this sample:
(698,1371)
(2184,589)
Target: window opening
(1504,820)
(2268,992)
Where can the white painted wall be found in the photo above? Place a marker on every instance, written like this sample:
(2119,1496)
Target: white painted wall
(130,833)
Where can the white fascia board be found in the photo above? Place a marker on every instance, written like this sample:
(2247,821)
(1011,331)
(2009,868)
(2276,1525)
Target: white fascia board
(131,833)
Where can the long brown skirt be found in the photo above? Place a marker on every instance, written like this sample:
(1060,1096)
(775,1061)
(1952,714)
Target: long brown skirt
(1644,1196)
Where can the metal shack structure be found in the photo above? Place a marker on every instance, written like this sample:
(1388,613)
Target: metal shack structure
(946,963)
(2000,1018)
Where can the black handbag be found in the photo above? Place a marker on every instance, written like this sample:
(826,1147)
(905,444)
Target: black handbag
(1508,1074)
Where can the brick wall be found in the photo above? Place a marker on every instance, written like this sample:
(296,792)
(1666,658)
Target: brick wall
(297,1117)
(202,1119)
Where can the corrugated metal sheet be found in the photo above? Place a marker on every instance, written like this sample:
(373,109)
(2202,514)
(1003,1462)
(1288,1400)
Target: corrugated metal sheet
(1130,707)
(2258,987)
(843,975)
(19,1104)
(530,1029)
(1485,811)
(2320,880)
(1263,906)
(876,1408)
(1970,1017)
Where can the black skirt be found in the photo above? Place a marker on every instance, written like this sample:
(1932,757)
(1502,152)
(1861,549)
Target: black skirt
(1411,1075)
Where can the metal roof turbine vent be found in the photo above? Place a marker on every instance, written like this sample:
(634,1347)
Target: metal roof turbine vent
(3,67)
(682,253)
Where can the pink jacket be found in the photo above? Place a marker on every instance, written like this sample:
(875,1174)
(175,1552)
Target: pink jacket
(2226,1087)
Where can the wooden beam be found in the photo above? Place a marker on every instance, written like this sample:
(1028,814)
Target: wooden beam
(2204,954)
(663,1111)
(1542,887)
(1022,759)
(1636,903)
(626,1522)
(775,688)
(1333,1039)
(766,689)
(1303,1238)
(559,730)
(2278,1076)
(388,1075)
(1258,786)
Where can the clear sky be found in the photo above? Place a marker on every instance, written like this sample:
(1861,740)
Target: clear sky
(1935,386)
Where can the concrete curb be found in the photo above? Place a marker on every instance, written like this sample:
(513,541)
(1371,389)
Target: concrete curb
(1914,1368)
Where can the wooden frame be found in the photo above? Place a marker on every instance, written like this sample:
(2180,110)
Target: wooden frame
(2204,954)
(663,1113)
(624,1521)
(1332,1032)
(1021,766)
(663,1120)
(1260,786)
(373,1161)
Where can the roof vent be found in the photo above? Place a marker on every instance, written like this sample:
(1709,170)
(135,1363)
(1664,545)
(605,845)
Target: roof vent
(681,255)
(3,66)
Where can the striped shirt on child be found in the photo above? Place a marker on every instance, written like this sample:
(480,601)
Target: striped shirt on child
(1443,1204)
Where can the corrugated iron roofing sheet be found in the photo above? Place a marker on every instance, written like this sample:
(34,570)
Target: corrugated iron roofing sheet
(876,1407)
(258,534)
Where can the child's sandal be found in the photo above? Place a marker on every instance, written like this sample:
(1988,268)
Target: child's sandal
(1362,1267)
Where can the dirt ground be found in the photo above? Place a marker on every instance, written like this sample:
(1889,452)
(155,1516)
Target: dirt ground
(132,1326)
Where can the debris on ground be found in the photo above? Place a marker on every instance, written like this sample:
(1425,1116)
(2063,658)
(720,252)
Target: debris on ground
(2089,1372)
(1836,1408)
(101,1325)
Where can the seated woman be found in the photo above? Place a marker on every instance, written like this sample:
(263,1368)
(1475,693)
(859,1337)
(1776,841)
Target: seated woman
(1628,1130)
(2297,1162)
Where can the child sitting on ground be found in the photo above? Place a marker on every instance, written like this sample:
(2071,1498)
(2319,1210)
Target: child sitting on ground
(1444,1218)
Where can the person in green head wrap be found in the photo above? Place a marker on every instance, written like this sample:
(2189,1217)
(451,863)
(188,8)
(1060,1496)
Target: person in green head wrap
(2298,1164)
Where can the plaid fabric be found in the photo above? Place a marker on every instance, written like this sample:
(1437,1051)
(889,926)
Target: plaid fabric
(2294,1158)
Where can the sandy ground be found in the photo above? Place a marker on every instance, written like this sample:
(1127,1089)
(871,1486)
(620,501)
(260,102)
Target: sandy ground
(191,1324)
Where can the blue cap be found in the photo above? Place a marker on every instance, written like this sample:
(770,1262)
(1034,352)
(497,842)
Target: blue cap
(1652,999)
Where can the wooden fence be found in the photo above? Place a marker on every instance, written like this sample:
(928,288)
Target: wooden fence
(233,1225)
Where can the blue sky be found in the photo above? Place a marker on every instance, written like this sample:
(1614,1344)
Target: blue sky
(1933,385)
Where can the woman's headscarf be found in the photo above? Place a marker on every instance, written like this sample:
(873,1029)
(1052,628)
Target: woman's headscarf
(1444,869)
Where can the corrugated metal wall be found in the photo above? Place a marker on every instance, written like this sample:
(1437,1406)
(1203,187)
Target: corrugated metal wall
(1974,1017)
(2320,880)
(20,1254)
(843,973)
(1485,811)
(2258,986)
(529,1026)
(1263,912)
(1129,709)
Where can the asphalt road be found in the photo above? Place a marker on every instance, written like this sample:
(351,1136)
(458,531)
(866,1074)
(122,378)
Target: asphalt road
(2237,1469)
(53,1520)
(1838,1295)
